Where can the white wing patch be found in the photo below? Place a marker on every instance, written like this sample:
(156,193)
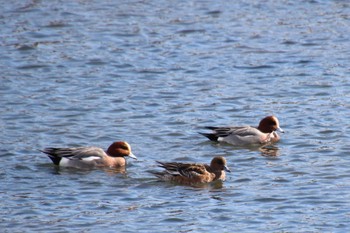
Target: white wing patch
(64,162)
(90,158)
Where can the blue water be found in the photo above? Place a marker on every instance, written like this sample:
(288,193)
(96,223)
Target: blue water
(154,73)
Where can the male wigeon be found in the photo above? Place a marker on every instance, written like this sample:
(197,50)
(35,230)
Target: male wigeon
(90,157)
(193,173)
(247,135)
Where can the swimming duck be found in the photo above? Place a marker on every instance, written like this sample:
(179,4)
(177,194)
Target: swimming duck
(247,135)
(89,157)
(193,173)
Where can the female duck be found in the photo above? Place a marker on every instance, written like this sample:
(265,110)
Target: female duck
(193,173)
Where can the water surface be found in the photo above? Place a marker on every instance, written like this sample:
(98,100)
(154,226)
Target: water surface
(154,73)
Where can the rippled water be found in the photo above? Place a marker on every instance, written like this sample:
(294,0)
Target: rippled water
(153,73)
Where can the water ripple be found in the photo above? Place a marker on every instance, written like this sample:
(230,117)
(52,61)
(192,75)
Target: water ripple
(153,74)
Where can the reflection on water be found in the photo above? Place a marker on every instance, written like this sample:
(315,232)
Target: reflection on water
(210,186)
(269,150)
(81,171)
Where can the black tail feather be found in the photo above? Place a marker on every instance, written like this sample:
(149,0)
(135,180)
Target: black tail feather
(210,136)
(55,160)
(50,153)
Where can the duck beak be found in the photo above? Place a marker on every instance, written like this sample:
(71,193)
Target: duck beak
(280,130)
(227,169)
(132,156)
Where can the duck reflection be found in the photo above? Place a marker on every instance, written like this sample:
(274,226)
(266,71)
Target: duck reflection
(269,151)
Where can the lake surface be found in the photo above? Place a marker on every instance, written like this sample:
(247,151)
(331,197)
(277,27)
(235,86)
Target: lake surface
(154,73)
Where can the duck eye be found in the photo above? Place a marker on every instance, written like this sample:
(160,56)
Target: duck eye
(124,147)
(220,162)
(273,122)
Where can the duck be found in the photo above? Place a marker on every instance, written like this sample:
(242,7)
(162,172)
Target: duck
(91,156)
(247,135)
(193,173)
